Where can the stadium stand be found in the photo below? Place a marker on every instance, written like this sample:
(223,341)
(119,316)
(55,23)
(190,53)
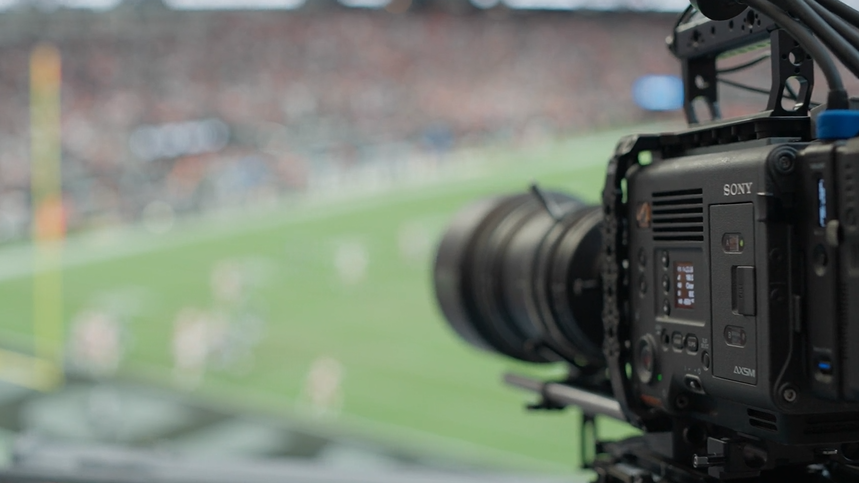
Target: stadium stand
(201,111)
(300,95)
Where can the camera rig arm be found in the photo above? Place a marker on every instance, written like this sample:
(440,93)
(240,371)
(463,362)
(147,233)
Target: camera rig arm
(559,395)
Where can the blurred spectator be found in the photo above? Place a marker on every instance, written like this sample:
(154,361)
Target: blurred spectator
(199,111)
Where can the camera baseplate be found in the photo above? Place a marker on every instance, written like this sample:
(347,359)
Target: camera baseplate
(639,460)
(660,456)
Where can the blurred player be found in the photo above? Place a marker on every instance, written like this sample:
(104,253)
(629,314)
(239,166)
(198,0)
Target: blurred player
(415,241)
(322,394)
(351,260)
(191,333)
(96,343)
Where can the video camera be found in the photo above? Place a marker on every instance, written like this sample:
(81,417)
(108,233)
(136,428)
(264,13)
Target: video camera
(712,299)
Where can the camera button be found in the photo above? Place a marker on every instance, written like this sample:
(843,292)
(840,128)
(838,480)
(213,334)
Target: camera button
(666,260)
(677,340)
(735,336)
(820,260)
(743,290)
(705,360)
(646,360)
(666,307)
(691,343)
(693,383)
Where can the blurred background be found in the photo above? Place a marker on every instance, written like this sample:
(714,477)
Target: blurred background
(218,217)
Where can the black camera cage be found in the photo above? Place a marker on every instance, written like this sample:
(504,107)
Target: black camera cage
(698,43)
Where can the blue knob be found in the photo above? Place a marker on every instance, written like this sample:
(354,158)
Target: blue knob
(838,124)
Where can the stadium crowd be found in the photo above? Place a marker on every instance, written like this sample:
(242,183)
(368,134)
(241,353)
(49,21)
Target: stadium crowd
(200,111)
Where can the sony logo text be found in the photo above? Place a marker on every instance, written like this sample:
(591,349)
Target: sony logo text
(734,189)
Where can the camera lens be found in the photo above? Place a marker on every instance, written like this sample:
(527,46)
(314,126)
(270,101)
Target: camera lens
(511,278)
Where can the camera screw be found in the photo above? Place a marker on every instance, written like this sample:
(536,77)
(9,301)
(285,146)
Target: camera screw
(681,401)
(778,295)
(784,163)
(789,394)
(776,255)
(783,160)
(708,461)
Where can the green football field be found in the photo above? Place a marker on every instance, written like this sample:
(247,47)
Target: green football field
(346,282)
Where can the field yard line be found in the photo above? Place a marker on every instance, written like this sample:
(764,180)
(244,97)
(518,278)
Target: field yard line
(29,372)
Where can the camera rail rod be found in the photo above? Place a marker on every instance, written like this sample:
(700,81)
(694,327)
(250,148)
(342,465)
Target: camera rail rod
(560,395)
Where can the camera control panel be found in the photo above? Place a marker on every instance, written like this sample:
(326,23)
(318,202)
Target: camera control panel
(732,271)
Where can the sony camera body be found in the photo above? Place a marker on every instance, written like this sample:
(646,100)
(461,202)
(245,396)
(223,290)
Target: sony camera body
(742,266)
(712,299)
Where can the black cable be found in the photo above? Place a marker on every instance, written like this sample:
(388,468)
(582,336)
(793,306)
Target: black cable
(791,93)
(844,29)
(744,87)
(683,17)
(743,66)
(837,98)
(842,49)
(846,12)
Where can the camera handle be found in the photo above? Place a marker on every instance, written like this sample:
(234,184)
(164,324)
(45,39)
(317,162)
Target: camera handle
(698,43)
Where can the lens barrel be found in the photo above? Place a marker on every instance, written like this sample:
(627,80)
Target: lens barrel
(511,278)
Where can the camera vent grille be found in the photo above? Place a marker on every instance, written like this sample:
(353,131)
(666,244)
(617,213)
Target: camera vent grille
(832,424)
(678,215)
(763,420)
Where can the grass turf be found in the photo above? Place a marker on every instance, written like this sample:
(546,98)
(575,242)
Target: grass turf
(403,367)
